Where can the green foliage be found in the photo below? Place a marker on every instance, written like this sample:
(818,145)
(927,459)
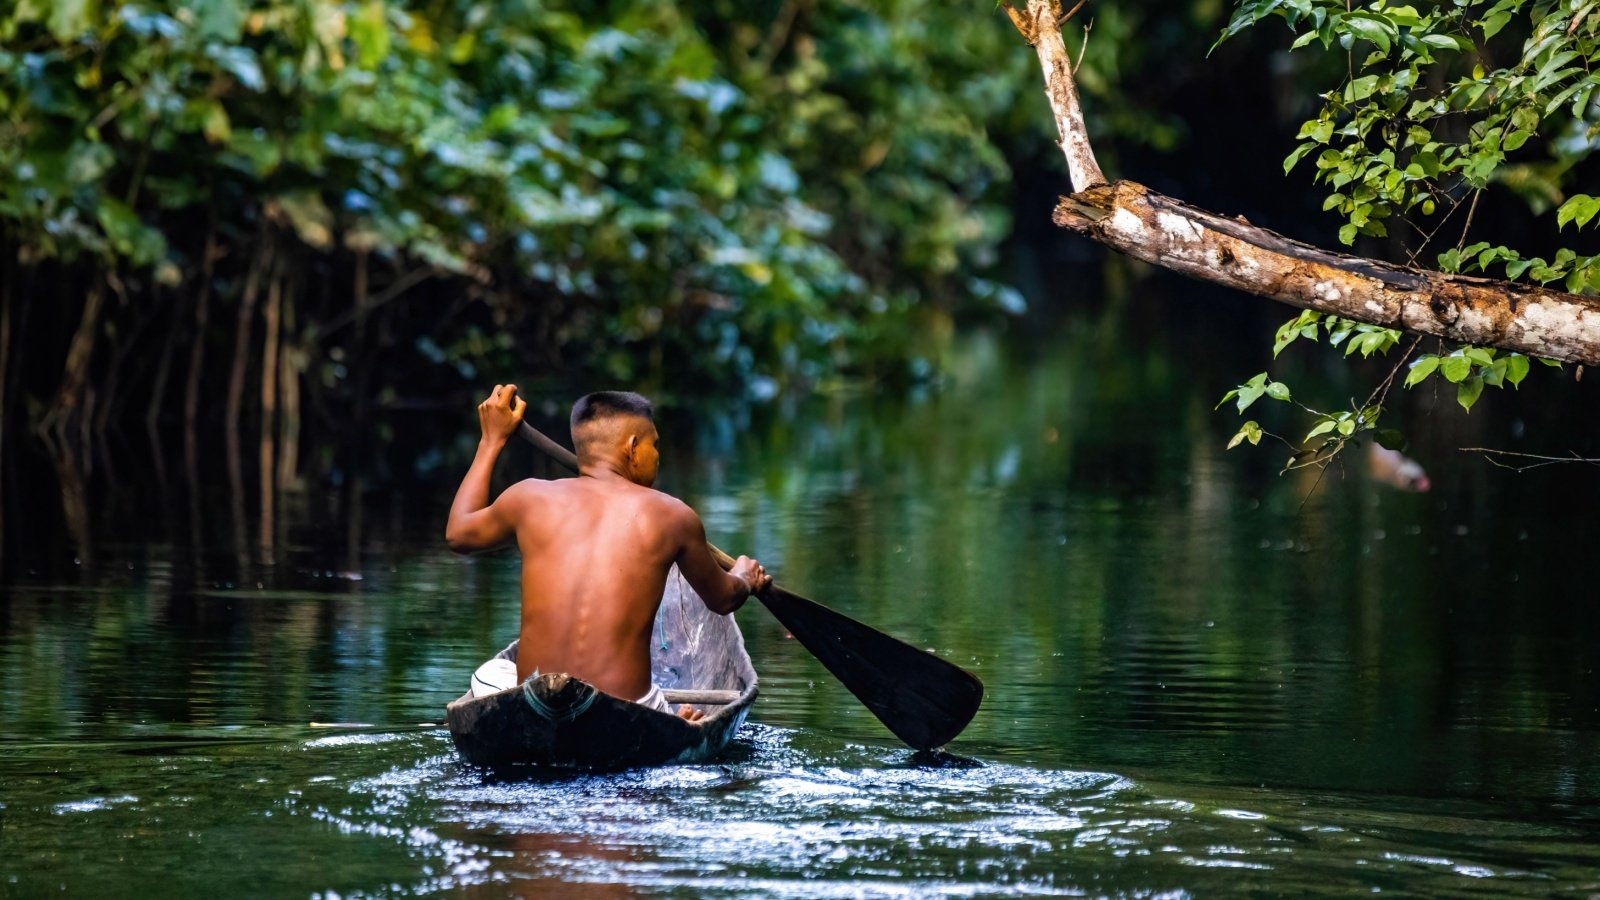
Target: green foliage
(1470,369)
(757,195)
(1419,120)
(1245,395)
(1418,127)
(1368,339)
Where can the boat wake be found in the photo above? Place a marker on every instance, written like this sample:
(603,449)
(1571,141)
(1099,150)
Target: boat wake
(788,812)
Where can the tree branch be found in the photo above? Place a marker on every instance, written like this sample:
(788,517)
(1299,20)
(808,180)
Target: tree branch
(1041,26)
(1131,218)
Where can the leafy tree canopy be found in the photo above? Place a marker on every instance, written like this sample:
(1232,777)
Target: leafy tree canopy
(1437,103)
(764,189)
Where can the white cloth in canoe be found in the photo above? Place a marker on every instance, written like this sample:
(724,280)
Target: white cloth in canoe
(499,674)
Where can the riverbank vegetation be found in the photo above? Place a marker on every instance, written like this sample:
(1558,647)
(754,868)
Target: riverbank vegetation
(276,211)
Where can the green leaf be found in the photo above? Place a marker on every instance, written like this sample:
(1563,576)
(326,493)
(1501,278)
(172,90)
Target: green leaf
(1249,431)
(1494,375)
(1455,368)
(1390,438)
(1296,156)
(369,30)
(217,128)
(1580,208)
(1446,42)
(1371,28)
(310,217)
(1361,88)
(1492,24)
(1516,369)
(1323,426)
(219,20)
(1347,235)
(129,235)
(1468,391)
(1515,269)
(1251,391)
(1421,368)
(69,19)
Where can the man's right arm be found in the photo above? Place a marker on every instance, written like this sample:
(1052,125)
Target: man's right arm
(723,592)
(476,524)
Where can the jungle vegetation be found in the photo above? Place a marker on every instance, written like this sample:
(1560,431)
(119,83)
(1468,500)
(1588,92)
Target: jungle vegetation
(285,211)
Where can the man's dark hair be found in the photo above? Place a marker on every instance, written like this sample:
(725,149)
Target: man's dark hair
(605,404)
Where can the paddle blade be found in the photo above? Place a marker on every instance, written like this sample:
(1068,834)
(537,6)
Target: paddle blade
(926,701)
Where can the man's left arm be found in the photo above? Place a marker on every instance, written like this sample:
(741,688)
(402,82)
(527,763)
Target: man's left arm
(476,524)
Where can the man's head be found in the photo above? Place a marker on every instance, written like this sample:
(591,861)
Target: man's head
(617,427)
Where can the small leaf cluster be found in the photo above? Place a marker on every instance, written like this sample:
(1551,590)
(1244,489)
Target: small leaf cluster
(1577,273)
(1470,369)
(1355,336)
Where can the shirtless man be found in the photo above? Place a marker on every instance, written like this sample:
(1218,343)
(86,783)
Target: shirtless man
(596,549)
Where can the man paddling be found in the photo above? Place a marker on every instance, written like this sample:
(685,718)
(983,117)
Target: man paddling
(596,549)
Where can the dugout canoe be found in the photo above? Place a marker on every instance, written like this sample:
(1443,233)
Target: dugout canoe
(557,722)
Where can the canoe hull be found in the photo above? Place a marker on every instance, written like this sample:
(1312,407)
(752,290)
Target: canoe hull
(558,723)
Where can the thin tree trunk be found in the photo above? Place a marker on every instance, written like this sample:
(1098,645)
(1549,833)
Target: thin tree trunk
(7,291)
(1132,219)
(121,347)
(75,372)
(269,406)
(356,439)
(158,385)
(197,352)
(241,358)
(289,370)
(241,336)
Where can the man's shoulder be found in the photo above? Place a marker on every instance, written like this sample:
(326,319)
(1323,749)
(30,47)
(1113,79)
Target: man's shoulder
(667,509)
(664,503)
(528,489)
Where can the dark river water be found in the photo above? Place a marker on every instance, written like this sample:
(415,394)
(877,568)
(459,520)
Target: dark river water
(1203,679)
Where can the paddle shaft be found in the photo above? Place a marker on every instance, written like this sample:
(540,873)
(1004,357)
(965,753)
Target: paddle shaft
(926,701)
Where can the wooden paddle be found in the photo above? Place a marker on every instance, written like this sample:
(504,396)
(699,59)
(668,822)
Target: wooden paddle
(923,699)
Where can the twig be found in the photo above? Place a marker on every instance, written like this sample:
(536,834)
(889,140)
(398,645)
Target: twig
(1085,48)
(1468,224)
(1323,471)
(1071,13)
(1378,395)
(1388,382)
(1490,454)
(1411,256)
(778,36)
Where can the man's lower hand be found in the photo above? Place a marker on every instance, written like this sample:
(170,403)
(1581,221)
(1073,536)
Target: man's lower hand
(753,573)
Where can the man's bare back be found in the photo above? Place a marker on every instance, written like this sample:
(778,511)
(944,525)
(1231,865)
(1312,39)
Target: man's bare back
(596,549)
